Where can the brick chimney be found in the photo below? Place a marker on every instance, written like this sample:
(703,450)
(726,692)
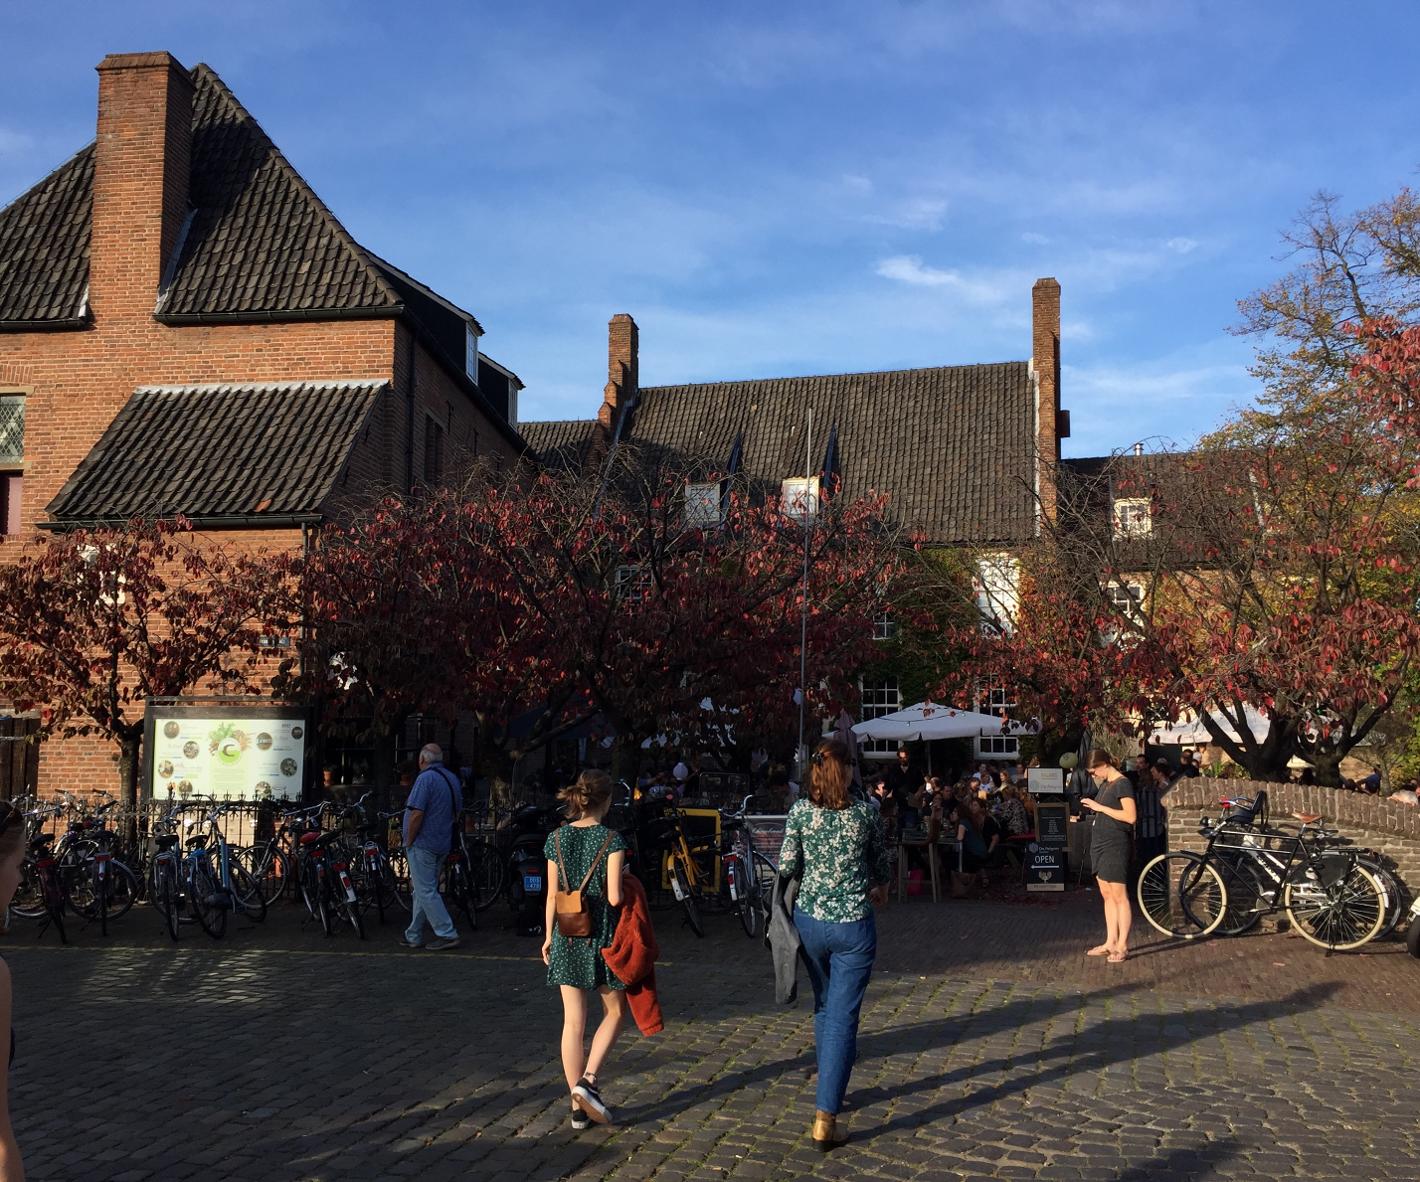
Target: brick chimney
(1052,423)
(141,170)
(623,381)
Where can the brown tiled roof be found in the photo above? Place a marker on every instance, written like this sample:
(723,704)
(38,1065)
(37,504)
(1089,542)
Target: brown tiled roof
(259,240)
(562,444)
(953,447)
(259,243)
(44,246)
(220,452)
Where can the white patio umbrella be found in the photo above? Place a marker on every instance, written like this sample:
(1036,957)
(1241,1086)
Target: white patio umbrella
(929,720)
(1189,728)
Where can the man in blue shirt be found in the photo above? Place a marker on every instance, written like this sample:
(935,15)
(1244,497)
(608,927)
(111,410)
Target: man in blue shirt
(429,816)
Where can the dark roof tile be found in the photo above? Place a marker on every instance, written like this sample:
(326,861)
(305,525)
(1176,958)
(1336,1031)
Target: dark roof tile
(219,451)
(44,246)
(952,447)
(260,240)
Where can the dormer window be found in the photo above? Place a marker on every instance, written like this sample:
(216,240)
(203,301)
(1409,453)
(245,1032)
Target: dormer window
(470,352)
(703,508)
(1133,518)
(799,498)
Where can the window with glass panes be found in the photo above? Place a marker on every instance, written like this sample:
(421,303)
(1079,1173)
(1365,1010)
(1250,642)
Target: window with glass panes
(633,583)
(879,696)
(12,456)
(702,505)
(998,700)
(1133,517)
(884,626)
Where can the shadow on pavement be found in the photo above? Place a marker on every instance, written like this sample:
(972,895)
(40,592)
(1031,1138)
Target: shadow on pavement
(1178,1164)
(1113,1046)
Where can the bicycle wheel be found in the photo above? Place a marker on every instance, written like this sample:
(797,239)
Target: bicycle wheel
(206,898)
(1412,937)
(486,874)
(1341,917)
(54,901)
(1397,901)
(765,876)
(681,886)
(246,888)
(29,895)
(1248,897)
(267,864)
(339,905)
(746,893)
(163,893)
(313,894)
(1181,895)
(386,887)
(399,867)
(459,892)
(101,903)
(124,888)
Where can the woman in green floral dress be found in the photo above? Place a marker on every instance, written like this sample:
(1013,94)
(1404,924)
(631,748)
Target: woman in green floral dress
(575,963)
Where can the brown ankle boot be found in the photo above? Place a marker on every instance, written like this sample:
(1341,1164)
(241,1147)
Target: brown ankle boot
(826,1134)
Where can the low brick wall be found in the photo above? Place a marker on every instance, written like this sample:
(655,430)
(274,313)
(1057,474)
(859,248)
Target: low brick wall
(1393,830)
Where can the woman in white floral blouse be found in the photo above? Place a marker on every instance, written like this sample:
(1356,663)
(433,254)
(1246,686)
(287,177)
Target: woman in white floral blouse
(837,844)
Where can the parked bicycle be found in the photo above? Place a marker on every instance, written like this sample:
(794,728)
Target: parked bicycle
(323,875)
(41,893)
(1249,869)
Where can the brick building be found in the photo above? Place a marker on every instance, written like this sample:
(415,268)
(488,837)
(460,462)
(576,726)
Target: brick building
(186,329)
(967,454)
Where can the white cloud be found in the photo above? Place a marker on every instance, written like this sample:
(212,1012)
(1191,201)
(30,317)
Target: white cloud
(1034,239)
(908,268)
(914,213)
(856,183)
(1182,245)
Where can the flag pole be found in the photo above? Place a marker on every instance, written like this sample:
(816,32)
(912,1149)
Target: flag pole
(804,594)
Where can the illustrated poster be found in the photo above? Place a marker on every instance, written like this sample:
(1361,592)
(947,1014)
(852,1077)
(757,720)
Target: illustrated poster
(228,758)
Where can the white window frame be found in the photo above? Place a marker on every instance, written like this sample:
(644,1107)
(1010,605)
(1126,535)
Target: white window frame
(997,747)
(633,583)
(997,583)
(799,498)
(704,505)
(470,352)
(1133,517)
(885,626)
(1127,598)
(876,698)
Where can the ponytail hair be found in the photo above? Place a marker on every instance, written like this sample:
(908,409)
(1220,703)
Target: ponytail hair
(830,774)
(1099,757)
(587,794)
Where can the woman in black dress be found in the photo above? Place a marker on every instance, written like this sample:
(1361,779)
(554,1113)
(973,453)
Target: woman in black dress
(1111,845)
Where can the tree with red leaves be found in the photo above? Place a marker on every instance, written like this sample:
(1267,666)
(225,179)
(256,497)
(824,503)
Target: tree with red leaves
(93,623)
(553,598)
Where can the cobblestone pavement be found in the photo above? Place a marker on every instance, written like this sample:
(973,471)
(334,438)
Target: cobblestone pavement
(991,1048)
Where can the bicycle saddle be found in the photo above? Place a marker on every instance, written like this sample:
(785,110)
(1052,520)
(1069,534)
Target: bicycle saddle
(1308,818)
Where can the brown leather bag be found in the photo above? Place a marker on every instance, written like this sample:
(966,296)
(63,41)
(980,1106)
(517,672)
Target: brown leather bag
(569,908)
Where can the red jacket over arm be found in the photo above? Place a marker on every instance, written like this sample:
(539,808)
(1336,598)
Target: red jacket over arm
(632,956)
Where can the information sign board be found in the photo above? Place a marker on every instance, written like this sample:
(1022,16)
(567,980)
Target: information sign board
(1052,818)
(1045,780)
(226,752)
(1045,868)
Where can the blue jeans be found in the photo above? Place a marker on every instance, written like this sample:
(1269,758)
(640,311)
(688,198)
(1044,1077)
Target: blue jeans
(424,866)
(839,958)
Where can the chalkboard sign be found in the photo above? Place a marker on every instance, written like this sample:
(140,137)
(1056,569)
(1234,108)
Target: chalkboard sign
(1051,819)
(1045,868)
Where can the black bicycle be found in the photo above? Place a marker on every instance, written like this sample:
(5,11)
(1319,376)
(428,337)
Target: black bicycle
(1250,868)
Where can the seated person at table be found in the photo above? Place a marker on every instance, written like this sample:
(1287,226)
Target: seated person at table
(1012,813)
(973,848)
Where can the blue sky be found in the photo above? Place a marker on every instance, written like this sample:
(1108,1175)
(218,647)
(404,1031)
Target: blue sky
(800,187)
